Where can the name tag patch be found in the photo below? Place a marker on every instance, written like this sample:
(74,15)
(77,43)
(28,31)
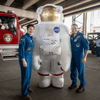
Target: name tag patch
(77,38)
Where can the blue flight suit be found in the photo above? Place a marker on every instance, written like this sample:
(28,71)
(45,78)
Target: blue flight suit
(78,45)
(98,51)
(26,45)
(98,47)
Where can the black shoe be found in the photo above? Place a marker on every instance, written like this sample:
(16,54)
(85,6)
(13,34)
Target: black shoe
(80,89)
(72,86)
(30,90)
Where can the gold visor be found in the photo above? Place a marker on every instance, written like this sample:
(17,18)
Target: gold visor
(49,13)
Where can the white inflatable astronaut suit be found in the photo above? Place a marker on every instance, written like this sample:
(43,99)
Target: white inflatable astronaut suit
(52,51)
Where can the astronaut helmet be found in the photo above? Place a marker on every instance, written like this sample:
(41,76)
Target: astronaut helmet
(50,13)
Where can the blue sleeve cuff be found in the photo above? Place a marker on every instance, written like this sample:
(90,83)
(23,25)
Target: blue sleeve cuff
(23,57)
(87,48)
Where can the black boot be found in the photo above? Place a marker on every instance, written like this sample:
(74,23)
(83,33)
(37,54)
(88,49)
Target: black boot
(80,89)
(72,86)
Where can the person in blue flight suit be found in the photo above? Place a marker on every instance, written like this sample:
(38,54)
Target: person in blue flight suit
(26,45)
(78,44)
(98,46)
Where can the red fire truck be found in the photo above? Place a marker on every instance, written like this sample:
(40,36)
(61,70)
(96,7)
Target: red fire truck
(10,34)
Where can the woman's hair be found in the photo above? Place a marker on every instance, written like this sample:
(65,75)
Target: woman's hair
(30,25)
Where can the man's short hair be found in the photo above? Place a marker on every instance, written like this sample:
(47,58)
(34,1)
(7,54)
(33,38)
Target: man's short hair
(30,25)
(74,25)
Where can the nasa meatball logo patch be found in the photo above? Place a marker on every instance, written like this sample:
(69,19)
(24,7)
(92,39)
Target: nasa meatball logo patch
(77,38)
(8,38)
(56,29)
(28,49)
(77,45)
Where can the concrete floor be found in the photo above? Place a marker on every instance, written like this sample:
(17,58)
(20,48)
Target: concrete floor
(10,85)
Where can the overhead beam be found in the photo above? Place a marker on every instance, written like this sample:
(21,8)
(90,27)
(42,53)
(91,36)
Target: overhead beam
(21,19)
(20,12)
(28,22)
(31,23)
(51,1)
(34,23)
(57,1)
(9,2)
(83,11)
(76,4)
(43,3)
(29,3)
(83,8)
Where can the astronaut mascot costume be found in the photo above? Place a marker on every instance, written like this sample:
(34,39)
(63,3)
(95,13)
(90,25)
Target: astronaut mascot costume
(52,50)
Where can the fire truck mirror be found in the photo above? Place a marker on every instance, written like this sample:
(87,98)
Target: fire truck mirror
(23,30)
(12,24)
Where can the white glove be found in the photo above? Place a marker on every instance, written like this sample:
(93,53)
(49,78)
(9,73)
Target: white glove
(37,62)
(40,62)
